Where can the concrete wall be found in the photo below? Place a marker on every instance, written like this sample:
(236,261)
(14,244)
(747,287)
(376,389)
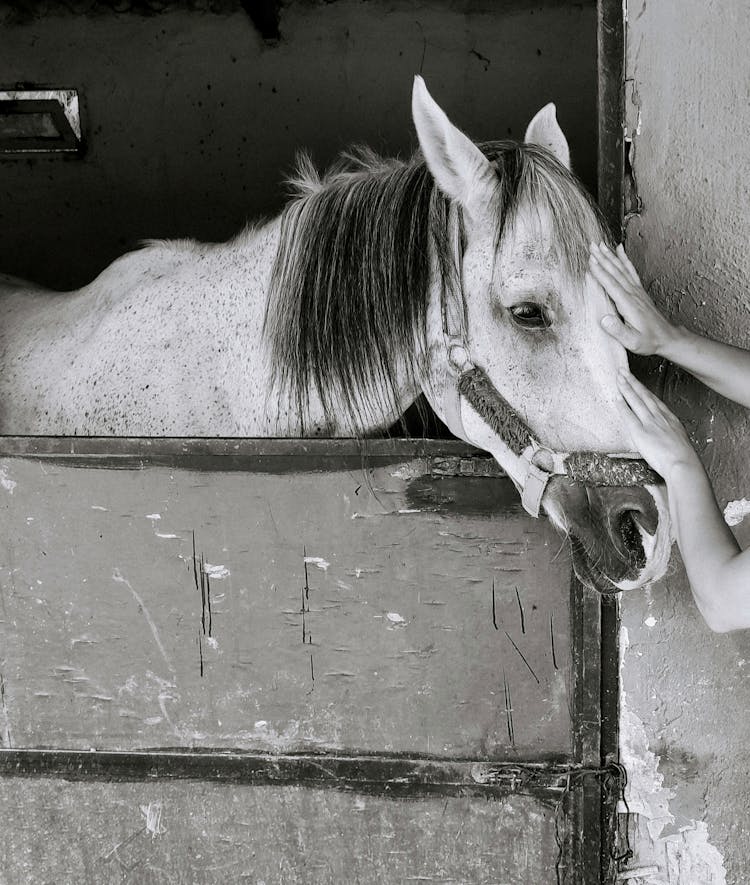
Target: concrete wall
(686,691)
(192,119)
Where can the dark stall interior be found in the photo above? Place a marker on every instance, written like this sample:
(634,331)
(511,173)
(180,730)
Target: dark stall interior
(192,116)
(192,113)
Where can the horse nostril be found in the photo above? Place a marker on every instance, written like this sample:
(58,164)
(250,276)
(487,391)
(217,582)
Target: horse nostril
(628,528)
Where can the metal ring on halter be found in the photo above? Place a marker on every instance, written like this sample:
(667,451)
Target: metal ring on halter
(458,357)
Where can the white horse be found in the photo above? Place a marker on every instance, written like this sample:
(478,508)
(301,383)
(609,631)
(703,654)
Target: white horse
(334,317)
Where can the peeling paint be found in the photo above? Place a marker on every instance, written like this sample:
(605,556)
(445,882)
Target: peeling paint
(414,470)
(317,561)
(736,511)
(152,814)
(685,857)
(215,572)
(5,481)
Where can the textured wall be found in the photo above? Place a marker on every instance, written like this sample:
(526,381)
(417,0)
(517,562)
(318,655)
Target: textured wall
(687,690)
(192,119)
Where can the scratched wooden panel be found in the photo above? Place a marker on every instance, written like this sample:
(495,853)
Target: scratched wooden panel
(151,834)
(390,638)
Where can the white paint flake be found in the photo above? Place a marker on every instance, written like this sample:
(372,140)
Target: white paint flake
(395,619)
(99,507)
(152,814)
(736,511)
(5,481)
(650,622)
(153,516)
(215,572)
(166,535)
(318,562)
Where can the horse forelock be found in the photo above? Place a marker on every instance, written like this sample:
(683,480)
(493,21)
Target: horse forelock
(346,314)
(359,246)
(530,176)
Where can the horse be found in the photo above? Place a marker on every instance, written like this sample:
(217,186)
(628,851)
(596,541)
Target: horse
(377,282)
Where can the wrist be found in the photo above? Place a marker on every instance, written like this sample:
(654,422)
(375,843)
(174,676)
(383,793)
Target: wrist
(684,469)
(675,341)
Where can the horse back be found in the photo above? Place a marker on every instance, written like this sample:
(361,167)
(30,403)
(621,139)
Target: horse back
(165,341)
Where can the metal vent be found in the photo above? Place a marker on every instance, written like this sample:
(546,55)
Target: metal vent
(40,121)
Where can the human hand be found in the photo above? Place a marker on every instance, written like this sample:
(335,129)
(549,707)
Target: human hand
(640,328)
(656,431)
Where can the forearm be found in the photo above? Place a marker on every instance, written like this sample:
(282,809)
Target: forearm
(712,557)
(724,368)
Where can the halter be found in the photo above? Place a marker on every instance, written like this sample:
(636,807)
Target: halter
(540,462)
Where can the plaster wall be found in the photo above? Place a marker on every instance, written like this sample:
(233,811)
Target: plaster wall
(686,691)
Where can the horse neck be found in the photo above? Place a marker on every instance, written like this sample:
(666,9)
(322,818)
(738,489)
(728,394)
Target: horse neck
(388,397)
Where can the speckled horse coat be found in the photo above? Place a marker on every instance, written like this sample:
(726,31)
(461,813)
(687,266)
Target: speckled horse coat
(329,319)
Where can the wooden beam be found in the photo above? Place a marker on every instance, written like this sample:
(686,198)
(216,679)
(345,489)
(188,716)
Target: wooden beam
(394,776)
(611,106)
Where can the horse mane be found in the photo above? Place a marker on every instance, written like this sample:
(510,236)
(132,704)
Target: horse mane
(347,308)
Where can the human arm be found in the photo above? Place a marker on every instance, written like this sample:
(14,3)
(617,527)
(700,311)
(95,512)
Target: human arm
(719,573)
(642,329)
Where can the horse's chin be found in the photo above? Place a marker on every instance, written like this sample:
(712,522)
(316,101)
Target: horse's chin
(588,572)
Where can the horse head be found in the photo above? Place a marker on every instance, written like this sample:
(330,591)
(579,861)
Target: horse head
(529,315)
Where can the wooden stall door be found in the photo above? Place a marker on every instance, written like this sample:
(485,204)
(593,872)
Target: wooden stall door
(274,661)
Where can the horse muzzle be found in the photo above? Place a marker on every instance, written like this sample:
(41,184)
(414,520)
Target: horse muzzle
(619,535)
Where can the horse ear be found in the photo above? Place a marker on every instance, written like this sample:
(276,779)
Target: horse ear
(545,131)
(459,168)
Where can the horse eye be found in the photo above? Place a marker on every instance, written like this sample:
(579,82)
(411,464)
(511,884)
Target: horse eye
(530,315)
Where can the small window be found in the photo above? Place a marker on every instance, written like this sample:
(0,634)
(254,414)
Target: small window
(42,121)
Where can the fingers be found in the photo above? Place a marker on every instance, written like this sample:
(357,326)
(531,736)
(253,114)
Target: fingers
(621,332)
(628,264)
(615,284)
(612,264)
(629,418)
(634,399)
(649,400)
(611,285)
(603,274)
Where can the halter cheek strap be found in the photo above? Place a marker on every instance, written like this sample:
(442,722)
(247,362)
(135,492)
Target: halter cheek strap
(455,334)
(535,478)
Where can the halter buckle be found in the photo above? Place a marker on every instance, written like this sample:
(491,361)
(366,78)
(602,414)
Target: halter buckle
(534,486)
(542,465)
